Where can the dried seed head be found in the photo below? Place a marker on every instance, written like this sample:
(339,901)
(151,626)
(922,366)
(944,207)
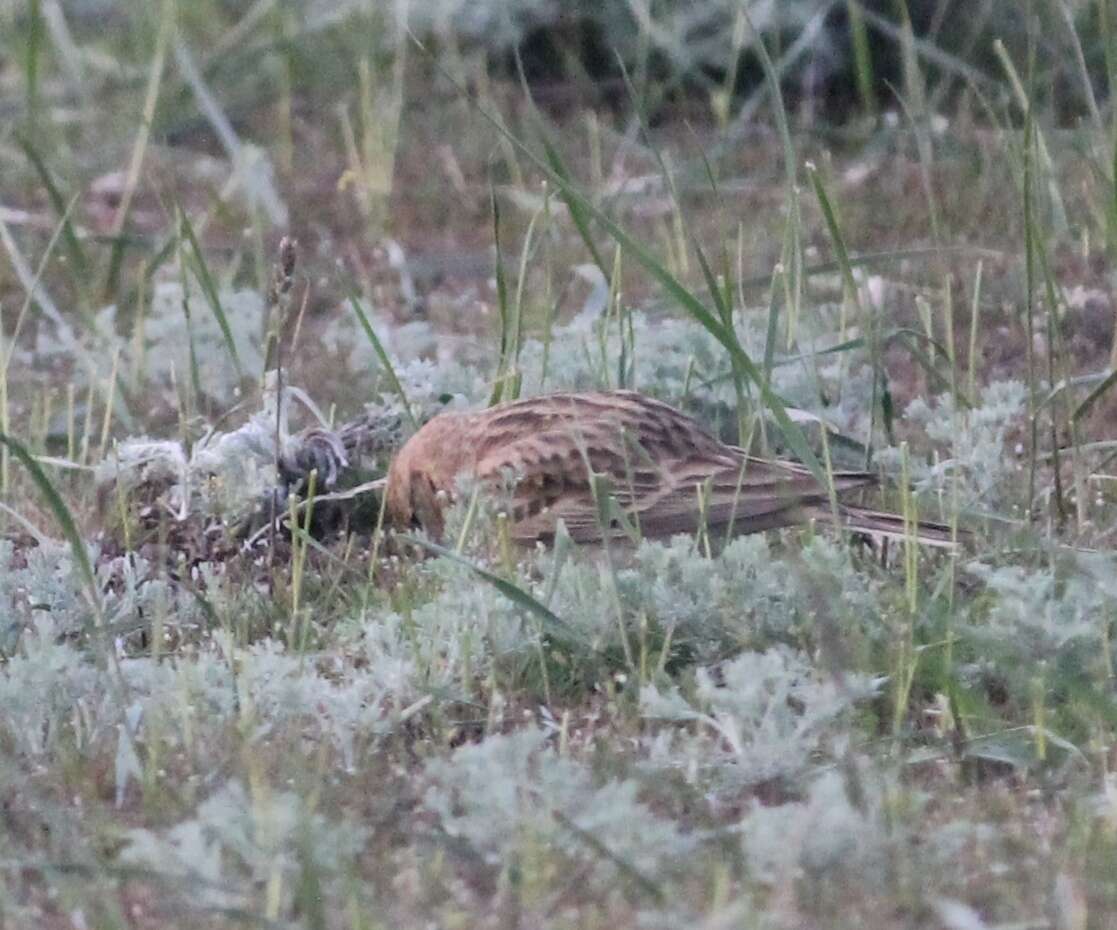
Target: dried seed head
(283,272)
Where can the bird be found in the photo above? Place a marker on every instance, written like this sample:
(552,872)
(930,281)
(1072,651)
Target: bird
(667,475)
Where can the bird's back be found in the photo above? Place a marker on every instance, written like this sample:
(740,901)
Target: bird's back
(557,454)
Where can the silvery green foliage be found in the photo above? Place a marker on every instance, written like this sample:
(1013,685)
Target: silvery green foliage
(167,338)
(1042,613)
(224,477)
(501,796)
(678,361)
(740,595)
(345,338)
(706,604)
(184,703)
(467,620)
(762,716)
(349,696)
(12,620)
(47,585)
(136,592)
(745,595)
(453,379)
(49,689)
(666,357)
(848,383)
(230,472)
(825,836)
(860,827)
(972,444)
(432,388)
(835,596)
(237,843)
(1099,570)
(332,698)
(584,355)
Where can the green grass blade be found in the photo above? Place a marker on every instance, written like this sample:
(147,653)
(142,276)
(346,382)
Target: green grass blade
(553,625)
(34,50)
(1111,212)
(721,298)
(862,59)
(502,372)
(1083,69)
(187,312)
(716,294)
(204,277)
(578,214)
(881,396)
(1095,395)
(61,513)
(382,355)
(159,259)
(622,865)
(794,436)
(835,231)
(58,202)
(771,76)
(772,330)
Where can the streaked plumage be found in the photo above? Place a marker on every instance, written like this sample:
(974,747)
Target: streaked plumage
(654,457)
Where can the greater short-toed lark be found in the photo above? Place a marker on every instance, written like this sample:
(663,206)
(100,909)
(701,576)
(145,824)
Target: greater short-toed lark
(666,473)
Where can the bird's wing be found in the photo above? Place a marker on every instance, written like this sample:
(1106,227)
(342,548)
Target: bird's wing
(554,475)
(741,495)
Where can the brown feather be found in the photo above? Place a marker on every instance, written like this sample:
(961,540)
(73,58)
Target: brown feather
(654,457)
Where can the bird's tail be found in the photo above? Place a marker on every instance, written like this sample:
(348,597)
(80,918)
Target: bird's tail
(892,526)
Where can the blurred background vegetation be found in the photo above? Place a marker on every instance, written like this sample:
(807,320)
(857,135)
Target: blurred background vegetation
(897,218)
